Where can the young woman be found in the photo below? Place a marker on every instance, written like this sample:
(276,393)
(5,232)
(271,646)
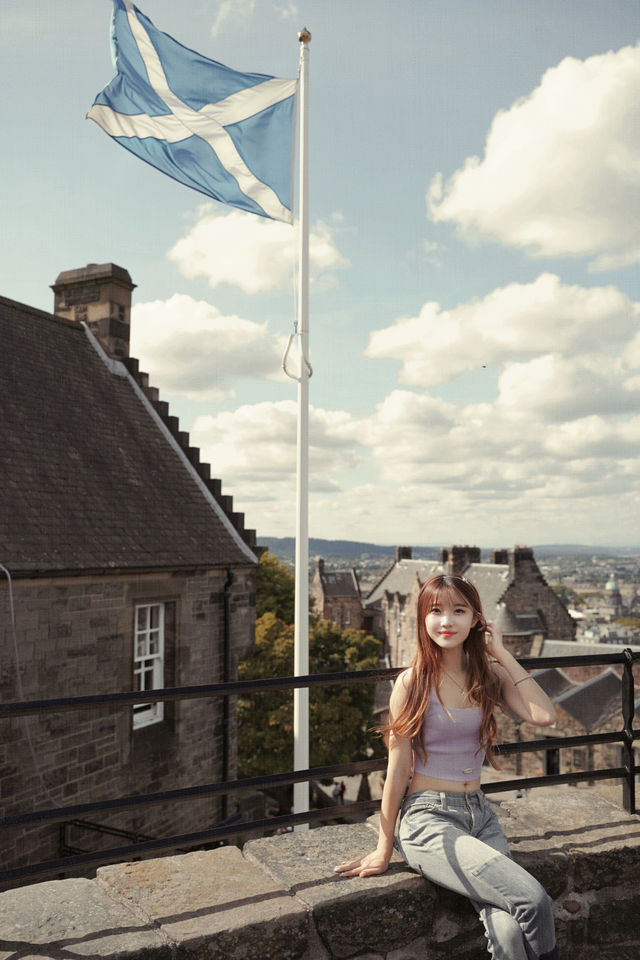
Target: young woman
(441,726)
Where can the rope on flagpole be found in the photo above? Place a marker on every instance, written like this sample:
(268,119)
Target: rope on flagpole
(285,359)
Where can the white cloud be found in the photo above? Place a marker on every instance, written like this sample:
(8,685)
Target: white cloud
(632,353)
(478,458)
(510,323)
(553,455)
(554,449)
(255,445)
(557,388)
(252,253)
(286,11)
(189,347)
(436,472)
(234,12)
(561,169)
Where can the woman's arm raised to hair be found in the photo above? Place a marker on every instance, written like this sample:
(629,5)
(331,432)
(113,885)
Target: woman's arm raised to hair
(395,785)
(520,692)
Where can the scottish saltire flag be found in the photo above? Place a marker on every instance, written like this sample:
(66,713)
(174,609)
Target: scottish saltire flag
(227,134)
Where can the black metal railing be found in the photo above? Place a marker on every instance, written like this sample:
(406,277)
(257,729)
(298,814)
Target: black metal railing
(231,829)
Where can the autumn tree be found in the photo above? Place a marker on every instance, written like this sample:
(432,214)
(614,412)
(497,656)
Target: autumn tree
(340,716)
(275,588)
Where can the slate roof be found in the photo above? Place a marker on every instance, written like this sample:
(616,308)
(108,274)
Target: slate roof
(490,579)
(340,584)
(96,476)
(553,681)
(567,648)
(400,576)
(593,701)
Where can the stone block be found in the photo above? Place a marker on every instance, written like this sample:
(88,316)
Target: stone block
(352,915)
(66,918)
(591,839)
(613,917)
(214,904)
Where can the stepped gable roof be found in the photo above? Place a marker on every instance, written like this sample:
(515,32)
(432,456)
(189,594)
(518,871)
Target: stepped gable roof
(96,476)
(592,702)
(400,577)
(341,584)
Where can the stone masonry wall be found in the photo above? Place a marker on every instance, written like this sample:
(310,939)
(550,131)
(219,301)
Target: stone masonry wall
(75,637)
(529,592)
(279,899)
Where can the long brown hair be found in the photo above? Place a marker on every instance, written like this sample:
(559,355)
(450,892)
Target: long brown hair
(426,669)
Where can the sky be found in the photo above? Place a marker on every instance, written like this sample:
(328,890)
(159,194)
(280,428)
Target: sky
(474,250)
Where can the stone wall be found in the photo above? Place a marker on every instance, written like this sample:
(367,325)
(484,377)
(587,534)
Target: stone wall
(528,592)
(74,638)
(278,898)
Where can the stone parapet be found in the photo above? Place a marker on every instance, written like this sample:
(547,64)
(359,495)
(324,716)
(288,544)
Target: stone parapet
(278,898)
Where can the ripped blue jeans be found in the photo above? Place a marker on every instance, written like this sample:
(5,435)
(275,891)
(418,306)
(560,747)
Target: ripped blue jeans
(455,840)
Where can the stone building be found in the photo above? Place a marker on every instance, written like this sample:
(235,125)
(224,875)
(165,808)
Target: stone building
(588,700)
(613,605)
(123,568)
(337,597)
(513,591)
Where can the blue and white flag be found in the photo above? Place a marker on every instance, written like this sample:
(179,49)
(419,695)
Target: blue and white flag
(224,133)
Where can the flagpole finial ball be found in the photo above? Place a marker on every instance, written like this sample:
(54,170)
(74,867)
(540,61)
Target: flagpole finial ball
(304,36)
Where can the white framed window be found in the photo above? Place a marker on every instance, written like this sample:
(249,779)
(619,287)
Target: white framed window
(148,660)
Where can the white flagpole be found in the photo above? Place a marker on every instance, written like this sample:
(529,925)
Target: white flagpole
(301,634)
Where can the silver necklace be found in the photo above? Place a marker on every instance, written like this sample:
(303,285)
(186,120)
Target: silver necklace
(462,690)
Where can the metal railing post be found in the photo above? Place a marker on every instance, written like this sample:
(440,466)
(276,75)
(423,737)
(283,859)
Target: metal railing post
(628,756)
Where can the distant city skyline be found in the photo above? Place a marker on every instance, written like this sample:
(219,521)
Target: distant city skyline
(475,307)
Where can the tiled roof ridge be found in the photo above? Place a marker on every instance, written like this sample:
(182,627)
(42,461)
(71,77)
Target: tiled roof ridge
(172,423)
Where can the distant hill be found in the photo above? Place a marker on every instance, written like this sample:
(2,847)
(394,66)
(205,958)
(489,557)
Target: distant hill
(351,550)
(582,549)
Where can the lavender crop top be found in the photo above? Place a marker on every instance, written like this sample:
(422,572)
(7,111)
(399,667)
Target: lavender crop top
(453,748)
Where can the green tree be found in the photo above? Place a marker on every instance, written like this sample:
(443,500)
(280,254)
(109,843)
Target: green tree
(275,589)
(339,716)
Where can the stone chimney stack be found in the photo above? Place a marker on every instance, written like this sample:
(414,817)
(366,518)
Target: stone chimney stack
(499,556)
(99,295)
(404,553)
(523,564)
(461,557)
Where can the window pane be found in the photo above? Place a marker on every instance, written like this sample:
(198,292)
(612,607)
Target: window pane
(141,647)
(148,665)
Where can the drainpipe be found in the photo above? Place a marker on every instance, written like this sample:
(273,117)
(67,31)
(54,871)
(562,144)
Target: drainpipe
(226,677)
